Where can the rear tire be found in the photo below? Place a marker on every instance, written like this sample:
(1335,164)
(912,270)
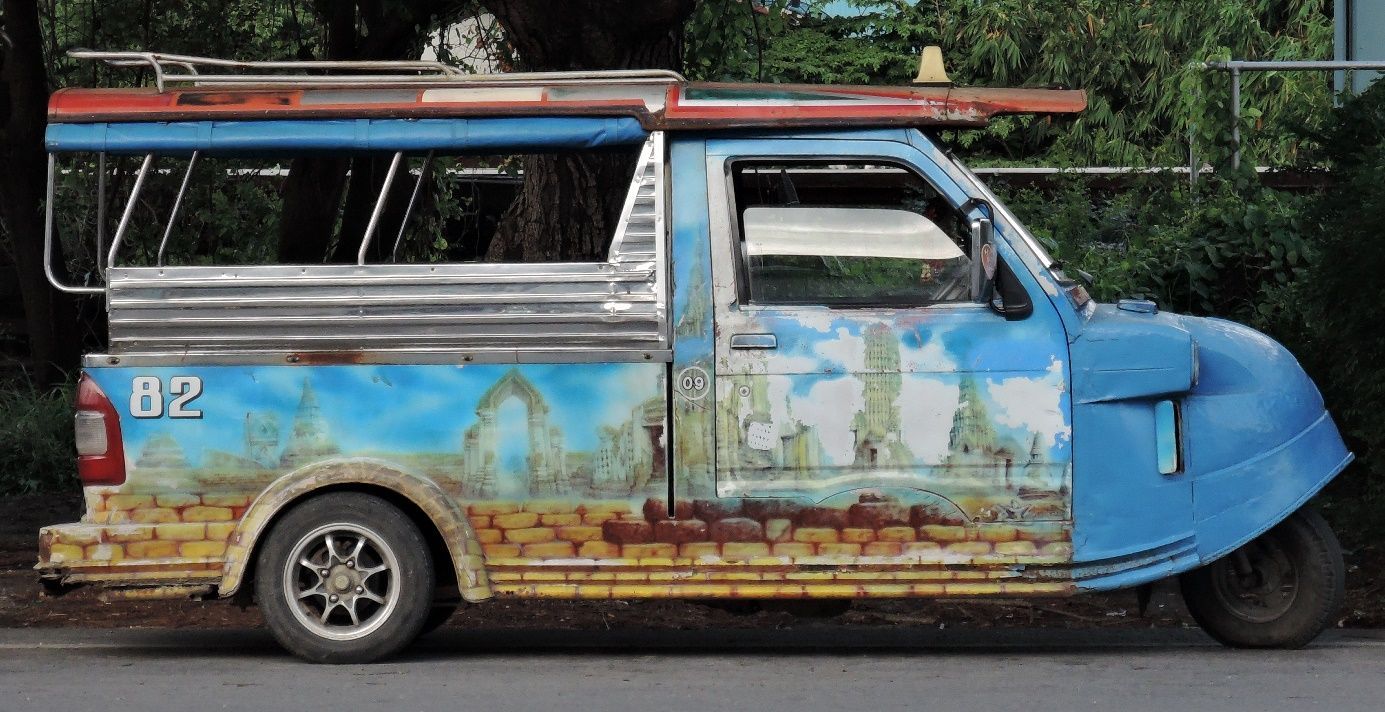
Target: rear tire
(1279,591)
(344,578)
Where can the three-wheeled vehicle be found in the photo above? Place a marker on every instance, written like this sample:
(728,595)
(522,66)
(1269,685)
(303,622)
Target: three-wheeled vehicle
(821,360)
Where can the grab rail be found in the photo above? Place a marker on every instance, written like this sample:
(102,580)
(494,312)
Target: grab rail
(48,237)
(355,71)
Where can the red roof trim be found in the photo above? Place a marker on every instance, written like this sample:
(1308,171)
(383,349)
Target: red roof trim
(799,105)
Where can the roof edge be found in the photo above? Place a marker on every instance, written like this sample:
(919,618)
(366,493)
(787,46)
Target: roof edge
(663,106)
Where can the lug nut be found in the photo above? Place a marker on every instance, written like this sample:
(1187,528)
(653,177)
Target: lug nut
(360,589)
(350,563)
(324,573)
(332,598)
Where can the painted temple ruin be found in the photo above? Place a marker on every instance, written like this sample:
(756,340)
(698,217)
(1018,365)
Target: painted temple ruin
(977,452)
(628,461)
(1009,477)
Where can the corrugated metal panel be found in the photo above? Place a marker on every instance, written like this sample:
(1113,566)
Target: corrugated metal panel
(479,307)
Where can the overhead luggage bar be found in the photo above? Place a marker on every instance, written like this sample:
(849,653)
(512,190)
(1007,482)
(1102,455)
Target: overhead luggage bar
(206,71)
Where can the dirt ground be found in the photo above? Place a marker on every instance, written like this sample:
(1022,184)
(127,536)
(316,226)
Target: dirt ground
(23,604)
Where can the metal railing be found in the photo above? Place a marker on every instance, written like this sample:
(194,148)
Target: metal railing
(1235,67)
(192,70)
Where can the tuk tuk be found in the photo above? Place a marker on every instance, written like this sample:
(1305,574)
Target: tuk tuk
(821,360)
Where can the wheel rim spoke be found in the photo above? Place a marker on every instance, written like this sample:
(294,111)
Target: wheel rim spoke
(345,560)
(1258,583)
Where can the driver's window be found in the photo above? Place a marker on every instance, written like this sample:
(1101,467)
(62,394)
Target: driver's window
(845,234)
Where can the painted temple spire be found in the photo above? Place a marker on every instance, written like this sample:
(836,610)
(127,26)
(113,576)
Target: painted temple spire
(310,439)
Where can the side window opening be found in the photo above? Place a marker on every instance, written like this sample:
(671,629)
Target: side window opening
(847,234)
(230,210)
(424,281)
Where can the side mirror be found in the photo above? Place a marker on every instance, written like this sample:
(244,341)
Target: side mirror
(1011,300)
(993,283)
(983,260)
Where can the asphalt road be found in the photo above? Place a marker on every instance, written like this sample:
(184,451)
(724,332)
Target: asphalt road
(817,667)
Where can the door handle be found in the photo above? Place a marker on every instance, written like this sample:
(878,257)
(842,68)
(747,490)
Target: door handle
(754,341)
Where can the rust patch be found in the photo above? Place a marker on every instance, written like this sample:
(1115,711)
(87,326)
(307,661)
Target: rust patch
(327,358)
(235,99)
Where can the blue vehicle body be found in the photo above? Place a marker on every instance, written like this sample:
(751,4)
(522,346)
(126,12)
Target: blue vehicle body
(1157,442)
(1254,437)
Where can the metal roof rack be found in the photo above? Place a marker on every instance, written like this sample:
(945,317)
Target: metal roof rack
(192,70)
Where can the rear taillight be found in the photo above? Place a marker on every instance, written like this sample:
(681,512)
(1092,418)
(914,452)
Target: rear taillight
(100,455)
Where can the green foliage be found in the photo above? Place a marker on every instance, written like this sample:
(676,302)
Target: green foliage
(1341,340)
(1227,248)
(36,450)
(1138,62)
(726,40)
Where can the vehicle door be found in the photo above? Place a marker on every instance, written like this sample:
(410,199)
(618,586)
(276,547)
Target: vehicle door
(860,383)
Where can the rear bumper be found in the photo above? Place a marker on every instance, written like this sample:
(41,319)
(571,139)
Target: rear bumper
(130,554)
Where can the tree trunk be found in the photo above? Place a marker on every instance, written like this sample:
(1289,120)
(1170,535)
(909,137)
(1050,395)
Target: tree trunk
(50,316)
(367,178)
(313,190)
(316,185)
(569,203)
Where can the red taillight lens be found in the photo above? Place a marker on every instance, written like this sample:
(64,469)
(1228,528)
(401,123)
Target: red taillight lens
(100,454)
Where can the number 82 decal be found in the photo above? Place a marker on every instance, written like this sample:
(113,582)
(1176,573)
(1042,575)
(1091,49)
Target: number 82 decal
(147,396)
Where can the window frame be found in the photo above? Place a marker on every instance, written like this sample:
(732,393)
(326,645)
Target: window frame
(737,229)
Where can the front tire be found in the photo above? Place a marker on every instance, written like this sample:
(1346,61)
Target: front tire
(1278,591)
(344,578)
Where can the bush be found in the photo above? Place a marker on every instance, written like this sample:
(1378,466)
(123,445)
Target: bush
(1229,248)
(36,448)
(1342,341)
(1307,269)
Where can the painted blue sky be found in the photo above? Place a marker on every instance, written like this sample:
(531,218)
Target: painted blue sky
(1019,370)
(420,409)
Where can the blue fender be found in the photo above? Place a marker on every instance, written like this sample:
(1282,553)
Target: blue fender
(1259,441)
(1256,443)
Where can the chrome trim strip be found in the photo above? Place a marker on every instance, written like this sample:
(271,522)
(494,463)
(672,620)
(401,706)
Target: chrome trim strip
(376,357)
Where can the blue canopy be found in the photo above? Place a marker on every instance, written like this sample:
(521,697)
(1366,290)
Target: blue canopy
(476,135)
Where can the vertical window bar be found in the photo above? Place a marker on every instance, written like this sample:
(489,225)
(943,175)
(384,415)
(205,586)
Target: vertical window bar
(100,211)
(379,207)
(413,199)
(129,209)
(177,204)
